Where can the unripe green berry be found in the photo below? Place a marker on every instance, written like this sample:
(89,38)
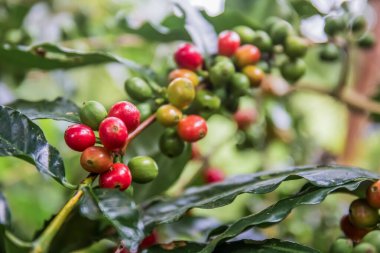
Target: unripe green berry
(334,25)
(146,109)
(168,115)
(270,22)
(295,46)
(181,93)
(329,52)
(373,238)
(245,33)
(264,66)
(367,41)
(138,89)
(359,24)
(240,84)
(364,248)
(206,100)
(262,41)
(341,245)
(143,168)
(92,114)
(171,144)
(292,70)
(280,31)
(221,73)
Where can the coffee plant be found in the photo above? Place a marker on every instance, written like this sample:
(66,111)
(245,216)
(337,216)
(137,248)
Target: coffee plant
(139,131)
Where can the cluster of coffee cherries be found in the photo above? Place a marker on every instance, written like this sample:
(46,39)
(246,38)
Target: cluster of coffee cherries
(106,159)
(360,225)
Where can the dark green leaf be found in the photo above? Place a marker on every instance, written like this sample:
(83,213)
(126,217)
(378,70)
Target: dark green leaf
(220,194)
(304,8)
(49,57)
(169,168)
(21,138)
(58,109)
(118,209)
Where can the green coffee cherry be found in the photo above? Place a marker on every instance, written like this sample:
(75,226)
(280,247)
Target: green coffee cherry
(146,109)
(367,41)
(359,24)
(221,73)
(240,84)
(295,46)
(263,41)
(168,115)
(264,66)
(245,33)
(364,248)
(143,169)
(292,70)
(280,31)
(334,25)
(270,22)
(341,245)
(181,93)
(206,100)
(92,114)
(221,58)
(330,52)
(138,89)
(170,143)
(373,238)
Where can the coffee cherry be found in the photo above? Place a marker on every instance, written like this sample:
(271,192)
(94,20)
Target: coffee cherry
(188,57)
(264,66)
(246,55)
(143,169)
(192,128)
(213,175)
(118,176)
(149,241)
(92,113)
(330,52)
(127,112)
(244,118)
(240,84)
(79,137)
(145,109)
(363,215)
(279,31)
(170,143)
(295,46)
(181,93)
(168,115)
(341,245)
(185,73)
(364,248)
(334,25)
(262,41)
(221,58)
(113,133)
(367,41)
(373,195)
(228,42)
(96,159)
(373,238)
(254,74)
(221,73)
(292,70)
(138,89)
(245,33)
(359,24)
(208,101)
(270,22)
(354,233)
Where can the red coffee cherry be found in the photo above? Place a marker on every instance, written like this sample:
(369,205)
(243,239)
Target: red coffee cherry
(113,133)
(79,137)
(247,55)
(373,195)
(228,42)
(354,233)
(118,176)
(96,159)
(192,128)
(188,57)
(149,241)
(213,175)
(127,112)
(362,215)
(245,117)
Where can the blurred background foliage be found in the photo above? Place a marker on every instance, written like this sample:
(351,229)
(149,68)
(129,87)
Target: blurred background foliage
(309,128)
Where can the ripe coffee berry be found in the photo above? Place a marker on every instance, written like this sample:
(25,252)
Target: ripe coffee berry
(246,55)
(118,176)
(184,73)
(351,231)
(254,74)
(181,93)
(127,112)
(245,117)
(213,175)
(79,137)
(188,57)
(192,128)
(363,215)
(168,115)
(92,113)
(373,195)
(96,159)
(113,133)
(228,42)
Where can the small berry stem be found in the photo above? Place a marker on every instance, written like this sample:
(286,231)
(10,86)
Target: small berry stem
(139,129)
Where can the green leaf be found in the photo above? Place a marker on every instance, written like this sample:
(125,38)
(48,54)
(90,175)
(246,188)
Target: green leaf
(118,209)
(49,57)
(21,138)
(169,169)
(223,193)
(304,8)
(58,109)
(243,246)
